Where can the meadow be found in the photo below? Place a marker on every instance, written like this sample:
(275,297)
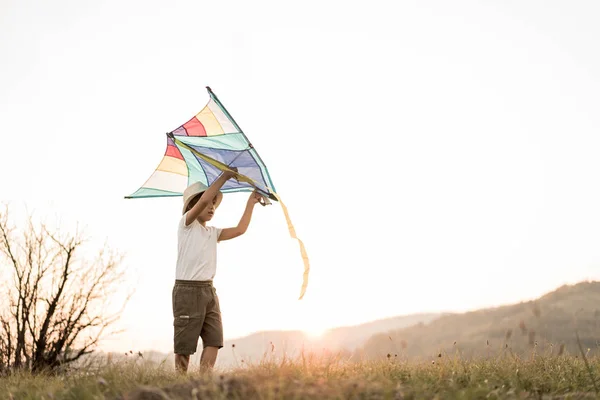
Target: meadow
(312,377)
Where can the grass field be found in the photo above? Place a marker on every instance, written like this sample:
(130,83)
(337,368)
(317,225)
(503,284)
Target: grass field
(444,377)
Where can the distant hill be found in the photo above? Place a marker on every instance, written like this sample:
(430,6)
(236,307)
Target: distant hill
(350,337)
(278,344)
(255,347)
(546,325)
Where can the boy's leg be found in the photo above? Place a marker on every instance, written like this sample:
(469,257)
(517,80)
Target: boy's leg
(188,316)
(182,361)
(209,357)
(212,332)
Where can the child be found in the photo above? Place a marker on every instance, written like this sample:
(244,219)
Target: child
(196,310)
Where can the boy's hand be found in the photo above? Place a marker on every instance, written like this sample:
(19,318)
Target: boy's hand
(230,174)
(254,198)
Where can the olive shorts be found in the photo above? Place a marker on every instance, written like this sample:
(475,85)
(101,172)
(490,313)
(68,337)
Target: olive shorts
(196,314)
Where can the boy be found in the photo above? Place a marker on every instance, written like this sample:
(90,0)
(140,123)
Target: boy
(196,311)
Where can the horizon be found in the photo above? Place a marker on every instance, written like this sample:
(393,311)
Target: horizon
(433,157)
(318,335)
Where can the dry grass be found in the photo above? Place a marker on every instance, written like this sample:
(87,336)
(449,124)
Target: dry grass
(312,377)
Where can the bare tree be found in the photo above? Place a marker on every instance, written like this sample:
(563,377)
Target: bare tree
(56,303)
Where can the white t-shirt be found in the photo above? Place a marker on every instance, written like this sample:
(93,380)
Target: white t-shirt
(197,251)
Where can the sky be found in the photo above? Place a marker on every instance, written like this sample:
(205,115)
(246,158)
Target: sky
(434,156)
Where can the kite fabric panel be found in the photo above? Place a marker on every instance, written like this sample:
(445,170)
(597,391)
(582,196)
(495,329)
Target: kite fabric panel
(203,147)
(200,150)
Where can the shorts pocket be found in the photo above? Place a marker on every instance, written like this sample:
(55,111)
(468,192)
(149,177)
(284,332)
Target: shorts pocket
(180,326)
(181,321)
(186,334)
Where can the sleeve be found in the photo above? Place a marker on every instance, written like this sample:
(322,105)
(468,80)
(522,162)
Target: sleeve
(182,224)
(218,232)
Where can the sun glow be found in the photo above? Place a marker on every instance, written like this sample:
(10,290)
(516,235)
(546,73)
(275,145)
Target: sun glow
(314,332)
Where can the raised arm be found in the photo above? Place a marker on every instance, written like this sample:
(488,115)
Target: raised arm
(242,226)
(207,197)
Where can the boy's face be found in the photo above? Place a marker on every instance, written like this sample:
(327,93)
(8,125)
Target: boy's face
(208,213)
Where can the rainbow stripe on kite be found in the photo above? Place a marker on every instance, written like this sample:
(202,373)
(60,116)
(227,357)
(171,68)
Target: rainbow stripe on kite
(199,151)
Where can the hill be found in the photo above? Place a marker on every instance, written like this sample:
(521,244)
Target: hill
(546,325)
(259,345)
(278,344)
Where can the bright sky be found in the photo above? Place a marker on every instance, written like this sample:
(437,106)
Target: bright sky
(434,156)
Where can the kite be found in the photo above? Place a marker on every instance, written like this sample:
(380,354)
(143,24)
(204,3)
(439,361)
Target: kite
(204,147)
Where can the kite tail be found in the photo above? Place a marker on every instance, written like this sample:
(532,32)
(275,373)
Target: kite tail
(302,248)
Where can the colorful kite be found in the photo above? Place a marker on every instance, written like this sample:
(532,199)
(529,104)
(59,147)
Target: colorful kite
(201,149)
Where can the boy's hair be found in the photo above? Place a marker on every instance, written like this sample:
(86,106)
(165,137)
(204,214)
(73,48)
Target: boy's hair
(193,201)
